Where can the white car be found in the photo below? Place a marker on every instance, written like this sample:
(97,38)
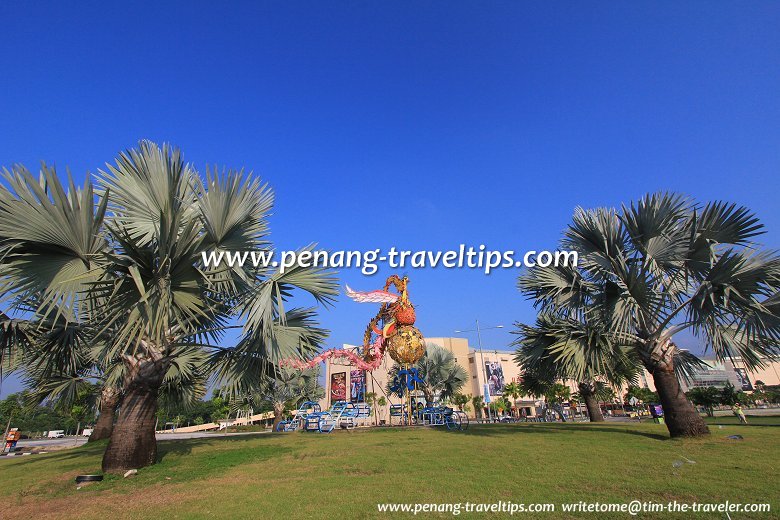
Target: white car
(56,434)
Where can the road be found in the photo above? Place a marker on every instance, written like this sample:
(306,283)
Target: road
(61,443)
(72,442)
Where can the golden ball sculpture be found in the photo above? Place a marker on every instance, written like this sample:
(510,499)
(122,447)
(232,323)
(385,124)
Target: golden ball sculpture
(407,345)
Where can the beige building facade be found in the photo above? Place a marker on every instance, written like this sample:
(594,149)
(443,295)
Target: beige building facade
(492,367)
(495,368)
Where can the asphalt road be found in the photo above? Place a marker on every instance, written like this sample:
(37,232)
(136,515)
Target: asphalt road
(63,442)
(72,442)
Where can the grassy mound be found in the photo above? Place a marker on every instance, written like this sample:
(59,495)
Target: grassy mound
(346,474)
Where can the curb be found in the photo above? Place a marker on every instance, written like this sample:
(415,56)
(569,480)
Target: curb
(21,454)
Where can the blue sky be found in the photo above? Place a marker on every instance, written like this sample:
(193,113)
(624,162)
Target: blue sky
(420,126)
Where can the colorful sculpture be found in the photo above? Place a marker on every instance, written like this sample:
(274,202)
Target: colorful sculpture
(403,341)
(392,329)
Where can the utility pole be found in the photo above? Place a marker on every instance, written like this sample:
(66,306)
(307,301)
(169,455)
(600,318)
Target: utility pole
(486,385)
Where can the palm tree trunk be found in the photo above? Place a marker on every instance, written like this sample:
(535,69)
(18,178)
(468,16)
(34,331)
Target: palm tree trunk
(109,397)
(680,416)
(133,444)
(594,410)
(278,411)
(591,403)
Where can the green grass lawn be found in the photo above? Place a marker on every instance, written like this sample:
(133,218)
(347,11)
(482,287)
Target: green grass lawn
(345,474)
(753,420)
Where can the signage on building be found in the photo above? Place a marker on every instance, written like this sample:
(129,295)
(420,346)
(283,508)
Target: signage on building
(357,386)
(495,377)
(338,387)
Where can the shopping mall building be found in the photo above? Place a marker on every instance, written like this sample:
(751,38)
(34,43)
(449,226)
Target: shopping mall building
(496,368)
(345,382)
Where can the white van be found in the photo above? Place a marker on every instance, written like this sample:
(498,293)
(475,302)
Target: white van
(86,432)
(56,434)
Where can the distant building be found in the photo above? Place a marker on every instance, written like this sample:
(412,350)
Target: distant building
(735,372)
(496,368)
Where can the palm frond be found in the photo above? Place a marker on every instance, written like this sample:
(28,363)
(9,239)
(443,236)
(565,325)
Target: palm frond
(51,240)
(146,183)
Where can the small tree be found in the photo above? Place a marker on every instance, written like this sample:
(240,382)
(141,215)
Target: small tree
(284,390)
(728,395)
(708,398)
(81,409)
(220,409)
(460,400)
(478,402)
(514,391)
(643,394)
(381,403)
(745,399)
(370,398)
(772,394)
(500,405)
(556,395)
(442,377)
(553,393)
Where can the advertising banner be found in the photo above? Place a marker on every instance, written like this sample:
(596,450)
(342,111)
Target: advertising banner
(338,387)
(495,377)
(357,386)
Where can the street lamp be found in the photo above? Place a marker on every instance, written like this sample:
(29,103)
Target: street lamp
(486,387)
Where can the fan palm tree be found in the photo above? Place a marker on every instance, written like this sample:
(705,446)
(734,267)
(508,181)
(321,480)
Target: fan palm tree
(130,257)
(64,388)
(57,362)
(654,269)
(183,384)
(285,387)
(592,395)
(538,385)
(442,376)
(564,348)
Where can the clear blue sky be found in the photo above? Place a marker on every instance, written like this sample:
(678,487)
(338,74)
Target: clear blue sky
(419,124)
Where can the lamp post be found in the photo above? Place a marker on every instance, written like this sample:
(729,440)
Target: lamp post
(486,387)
